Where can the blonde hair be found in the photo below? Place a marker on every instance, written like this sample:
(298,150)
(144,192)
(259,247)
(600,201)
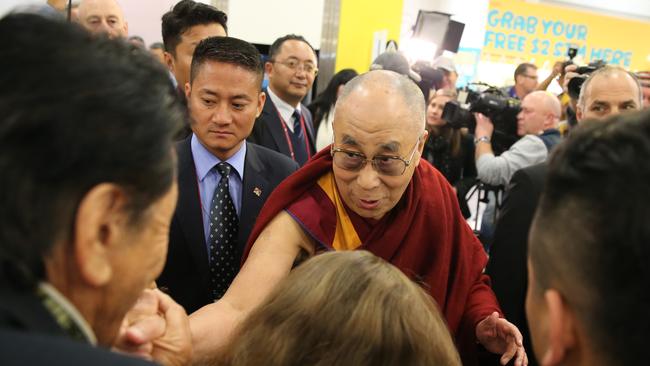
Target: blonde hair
(344,308)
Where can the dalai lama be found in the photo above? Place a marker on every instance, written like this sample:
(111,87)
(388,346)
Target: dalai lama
(370,190)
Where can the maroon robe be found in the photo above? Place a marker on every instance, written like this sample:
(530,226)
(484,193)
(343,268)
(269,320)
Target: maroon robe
(425,236)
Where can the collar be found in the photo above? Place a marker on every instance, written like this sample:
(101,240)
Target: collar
(64,312)
(286,110)
(204,160)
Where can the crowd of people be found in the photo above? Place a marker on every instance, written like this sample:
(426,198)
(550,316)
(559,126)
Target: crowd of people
(160,204)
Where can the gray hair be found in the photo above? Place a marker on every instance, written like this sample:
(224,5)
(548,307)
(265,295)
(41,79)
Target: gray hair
(607,70)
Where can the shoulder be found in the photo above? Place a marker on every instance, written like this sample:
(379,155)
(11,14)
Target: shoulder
(530,142)
(535,173)
(270,157)
(305,111)
(21,348)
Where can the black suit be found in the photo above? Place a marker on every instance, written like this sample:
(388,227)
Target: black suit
(29,335)
(509,252)
(186,275)
(19,348)
(269,133)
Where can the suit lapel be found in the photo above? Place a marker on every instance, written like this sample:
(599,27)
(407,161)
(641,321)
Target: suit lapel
(310,128)
(274,124)
(188,210)
(255,190)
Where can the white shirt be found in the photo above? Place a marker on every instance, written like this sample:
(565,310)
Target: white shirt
(497,170)
(286,110)
(325,134)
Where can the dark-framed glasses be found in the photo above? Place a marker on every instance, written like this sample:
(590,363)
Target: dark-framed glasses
(296,65)
(354,161)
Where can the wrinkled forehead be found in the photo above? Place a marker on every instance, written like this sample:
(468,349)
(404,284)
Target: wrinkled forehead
(372,122)
(104,8)
(297,49)
(612,88)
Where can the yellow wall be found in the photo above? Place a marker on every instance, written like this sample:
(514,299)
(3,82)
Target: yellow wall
(358,21)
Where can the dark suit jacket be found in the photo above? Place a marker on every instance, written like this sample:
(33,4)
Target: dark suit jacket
(19,348)
(186,273)
(29,335)
(269,133)
(509,251)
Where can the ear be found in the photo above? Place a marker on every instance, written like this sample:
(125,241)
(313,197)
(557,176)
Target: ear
(126,28)
(98,224)
(421,143)
(261,99)
(268,68)
(169,61)
(561,329)
(188,91)
(579,114)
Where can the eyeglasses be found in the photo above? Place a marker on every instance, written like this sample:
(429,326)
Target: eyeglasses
(534,77)
(383,164)
(296,65)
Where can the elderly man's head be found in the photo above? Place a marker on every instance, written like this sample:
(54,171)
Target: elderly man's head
(380,115)
(540,111)
(103,16)
(87,165)
(608,91)
(587,298)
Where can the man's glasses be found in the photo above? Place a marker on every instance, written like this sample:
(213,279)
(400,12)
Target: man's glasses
(383,164)
(296,65)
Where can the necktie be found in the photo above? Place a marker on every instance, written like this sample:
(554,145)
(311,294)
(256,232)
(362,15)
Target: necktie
(224,228)
(298,140)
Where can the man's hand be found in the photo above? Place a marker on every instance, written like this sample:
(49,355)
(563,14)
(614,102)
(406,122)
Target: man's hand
(157,329)
(500,336)
(484,126)
(569,73)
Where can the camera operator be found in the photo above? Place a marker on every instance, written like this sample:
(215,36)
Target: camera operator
(536,123)
(449,149)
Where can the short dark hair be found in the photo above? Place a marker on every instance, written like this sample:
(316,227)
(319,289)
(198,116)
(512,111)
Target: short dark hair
(136,38)
(597,188)
(75,111)
(277,44)
(157,46)
(187,14)
(228,50)
(522,69)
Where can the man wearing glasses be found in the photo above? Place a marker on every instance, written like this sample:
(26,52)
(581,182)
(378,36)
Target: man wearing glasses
(371,191)
(285,125)
(525,81)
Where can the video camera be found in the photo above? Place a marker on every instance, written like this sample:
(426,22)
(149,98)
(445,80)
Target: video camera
(501,110)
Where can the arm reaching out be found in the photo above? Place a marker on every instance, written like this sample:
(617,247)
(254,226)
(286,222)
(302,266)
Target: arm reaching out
(270,260)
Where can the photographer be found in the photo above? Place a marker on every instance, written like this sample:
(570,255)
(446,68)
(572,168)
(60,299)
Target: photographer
(536,123)
(449,149)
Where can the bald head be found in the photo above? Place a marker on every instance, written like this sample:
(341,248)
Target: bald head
(103,16)
(547,101)
(540,110)
(608,91)
(383,87)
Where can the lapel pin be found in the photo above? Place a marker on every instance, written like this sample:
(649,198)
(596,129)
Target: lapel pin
(257,191)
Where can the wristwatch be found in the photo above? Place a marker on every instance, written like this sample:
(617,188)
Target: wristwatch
(481,139)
